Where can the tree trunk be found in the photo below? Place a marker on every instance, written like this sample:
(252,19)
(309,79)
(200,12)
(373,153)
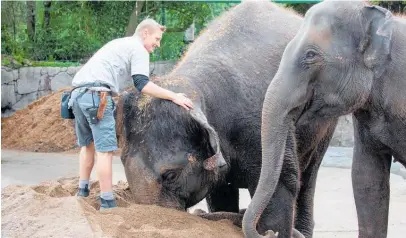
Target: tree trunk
(132,24)
(47,14)
(31,20)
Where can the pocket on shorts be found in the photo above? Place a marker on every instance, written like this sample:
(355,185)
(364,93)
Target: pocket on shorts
(111,107)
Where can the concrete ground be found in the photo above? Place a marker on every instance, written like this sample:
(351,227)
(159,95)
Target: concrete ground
(335,213)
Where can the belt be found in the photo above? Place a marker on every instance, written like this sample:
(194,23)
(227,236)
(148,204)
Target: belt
(86,90)
(98,92)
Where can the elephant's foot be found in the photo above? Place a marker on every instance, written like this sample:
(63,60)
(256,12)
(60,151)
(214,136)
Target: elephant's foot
(236,218)
(271,234)
(297,234)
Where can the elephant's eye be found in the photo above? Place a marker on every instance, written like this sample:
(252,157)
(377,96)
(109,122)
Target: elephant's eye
(310,55)
(169,176)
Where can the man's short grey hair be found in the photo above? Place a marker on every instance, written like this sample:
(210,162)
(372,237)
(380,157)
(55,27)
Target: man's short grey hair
(149,24)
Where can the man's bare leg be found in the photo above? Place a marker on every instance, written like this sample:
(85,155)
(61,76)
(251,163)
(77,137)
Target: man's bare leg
(86,158)
(104,172)
(86,162)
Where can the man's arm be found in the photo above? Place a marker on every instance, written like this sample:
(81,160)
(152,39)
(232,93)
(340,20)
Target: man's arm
(142,83)
(139,72)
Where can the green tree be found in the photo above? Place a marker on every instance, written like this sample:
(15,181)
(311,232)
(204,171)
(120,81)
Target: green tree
(393,6)
(75,30)
(13,29)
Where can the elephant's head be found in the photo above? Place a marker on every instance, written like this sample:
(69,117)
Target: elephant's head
(171,156)
(326,71)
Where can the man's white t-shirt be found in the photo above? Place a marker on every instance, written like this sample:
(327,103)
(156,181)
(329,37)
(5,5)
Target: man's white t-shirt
(117,60)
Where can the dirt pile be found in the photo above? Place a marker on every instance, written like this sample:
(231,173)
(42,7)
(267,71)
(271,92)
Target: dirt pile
(39,127)
(51,210)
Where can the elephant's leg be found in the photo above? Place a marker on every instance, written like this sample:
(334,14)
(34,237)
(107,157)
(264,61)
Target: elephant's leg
(304,216)
(370,181)
(305,201)
(279,214)
(223,198)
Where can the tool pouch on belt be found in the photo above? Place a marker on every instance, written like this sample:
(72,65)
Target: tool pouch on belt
(102,105)
(66,111)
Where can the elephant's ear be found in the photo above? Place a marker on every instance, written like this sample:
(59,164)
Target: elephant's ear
(212,162)
(377,40)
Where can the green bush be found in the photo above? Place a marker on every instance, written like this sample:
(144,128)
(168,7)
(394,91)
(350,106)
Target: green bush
(77,29)
(54,64)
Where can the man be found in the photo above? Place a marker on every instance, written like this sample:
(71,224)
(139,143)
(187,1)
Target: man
(120,59)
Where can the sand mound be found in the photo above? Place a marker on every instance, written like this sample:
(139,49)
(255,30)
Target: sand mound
(39,127)
(51,210)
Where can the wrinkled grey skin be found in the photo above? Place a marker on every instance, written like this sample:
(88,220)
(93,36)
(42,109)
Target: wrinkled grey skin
(226,72)
(346,58)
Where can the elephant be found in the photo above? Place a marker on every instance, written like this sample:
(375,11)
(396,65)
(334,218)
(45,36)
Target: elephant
(346,58)
(176,158)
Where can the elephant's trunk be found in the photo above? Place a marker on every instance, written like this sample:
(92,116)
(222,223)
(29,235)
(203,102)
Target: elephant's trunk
(281,109)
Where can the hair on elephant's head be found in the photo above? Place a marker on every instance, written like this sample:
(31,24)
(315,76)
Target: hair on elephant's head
(171,156)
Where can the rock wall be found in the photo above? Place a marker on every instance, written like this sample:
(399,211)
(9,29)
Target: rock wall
(20,87)
(344,133)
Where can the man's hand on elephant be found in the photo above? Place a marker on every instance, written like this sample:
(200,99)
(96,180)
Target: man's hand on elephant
(183,101)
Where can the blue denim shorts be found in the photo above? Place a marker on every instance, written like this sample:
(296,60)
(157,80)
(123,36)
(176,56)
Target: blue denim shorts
(102,133)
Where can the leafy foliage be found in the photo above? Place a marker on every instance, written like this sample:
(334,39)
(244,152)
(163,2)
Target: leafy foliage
(72,31)
(77,29)
(300,8)
(393,6)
